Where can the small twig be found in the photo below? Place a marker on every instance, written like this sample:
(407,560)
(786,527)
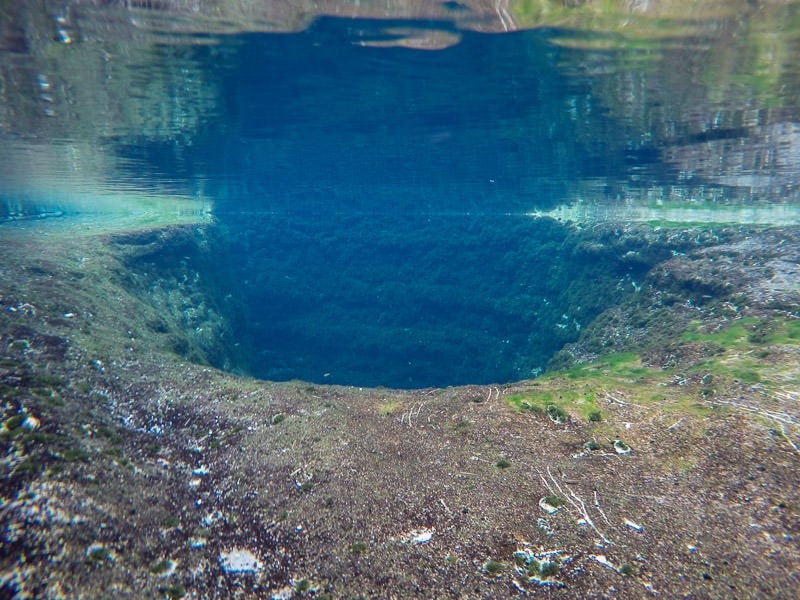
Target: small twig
(600,510)
(446,508)
(577,504)
(675,424)
(780,417)
(788,439)
(414,411)
(611,398)
(10,506)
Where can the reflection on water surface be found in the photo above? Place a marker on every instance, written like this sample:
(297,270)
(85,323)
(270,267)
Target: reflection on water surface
(281,106)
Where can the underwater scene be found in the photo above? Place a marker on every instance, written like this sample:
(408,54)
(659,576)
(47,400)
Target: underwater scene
(400,299)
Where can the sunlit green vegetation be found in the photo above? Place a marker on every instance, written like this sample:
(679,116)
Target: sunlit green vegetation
(731,354)
(389,407)
(558,404)
(493,567)
(554,501)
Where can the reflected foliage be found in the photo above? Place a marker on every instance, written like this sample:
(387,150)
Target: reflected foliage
(670,100)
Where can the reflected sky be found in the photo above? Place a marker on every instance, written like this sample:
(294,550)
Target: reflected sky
(431,108)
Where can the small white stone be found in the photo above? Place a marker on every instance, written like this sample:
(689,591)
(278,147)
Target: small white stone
(285,593)
(419,536)
(603,561)
(212,518)
(169,569)
(239,561)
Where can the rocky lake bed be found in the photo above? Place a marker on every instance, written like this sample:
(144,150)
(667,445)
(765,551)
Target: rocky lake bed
(657,456)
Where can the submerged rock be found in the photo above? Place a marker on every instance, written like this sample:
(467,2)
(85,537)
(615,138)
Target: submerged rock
(239,560)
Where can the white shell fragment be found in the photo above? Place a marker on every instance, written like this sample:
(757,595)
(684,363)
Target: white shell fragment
(603,561)
(239,561)
(546,507)
(621,447)
(632,525)
(419,536)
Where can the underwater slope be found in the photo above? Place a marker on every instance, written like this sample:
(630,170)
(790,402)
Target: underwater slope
(659,456)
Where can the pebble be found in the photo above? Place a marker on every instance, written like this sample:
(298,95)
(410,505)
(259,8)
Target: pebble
(239,561)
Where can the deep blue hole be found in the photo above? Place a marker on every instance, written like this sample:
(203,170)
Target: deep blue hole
(414,301)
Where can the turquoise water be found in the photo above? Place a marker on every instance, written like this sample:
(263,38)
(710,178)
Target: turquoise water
(379,184)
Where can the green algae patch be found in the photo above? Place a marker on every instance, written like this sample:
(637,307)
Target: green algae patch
(543,402)
(734,333)
(575,392)
(389,407)
(753,350)
(747,332)
(621,366)
(503,463)
(719,357)
(612,370)
(558,404)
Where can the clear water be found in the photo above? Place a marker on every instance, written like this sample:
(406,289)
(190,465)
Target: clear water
(379,180)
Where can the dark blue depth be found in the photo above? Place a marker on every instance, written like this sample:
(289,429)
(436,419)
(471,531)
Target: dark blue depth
(415,301)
